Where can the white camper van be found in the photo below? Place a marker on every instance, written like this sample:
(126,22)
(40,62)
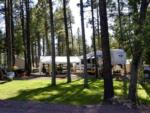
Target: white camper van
(118,57)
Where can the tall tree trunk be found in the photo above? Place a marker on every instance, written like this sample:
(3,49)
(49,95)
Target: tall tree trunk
(84,45)
(12,32)
(78,32)
(36,54)
(47,39)
(137,52)
(134,74)
(67,42)
(98,30)
(72,40)
(59,46)
(120,25)
(63,46)
(108,82)
(8,33)
(39,46)
(0,56)
(23,32)
(28,36)
(43,46)
(32,54)
(53,44)
(94,36)
(6,28)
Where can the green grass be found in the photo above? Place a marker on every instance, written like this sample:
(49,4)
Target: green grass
(73,93)
(146,87)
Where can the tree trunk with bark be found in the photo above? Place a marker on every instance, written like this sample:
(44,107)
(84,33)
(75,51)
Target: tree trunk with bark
(137,52)
(28,42)
(33,53)
(39,46)
(23,31)
(43,41)
(67,43)
(107,74)
(12,32)
(72,39)
(8,43)
(98,30)
(84,45)
(53,44)
(78,32)
(47,39)
(94,36)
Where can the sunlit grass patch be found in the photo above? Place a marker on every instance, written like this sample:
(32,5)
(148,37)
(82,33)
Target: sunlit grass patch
(72,93)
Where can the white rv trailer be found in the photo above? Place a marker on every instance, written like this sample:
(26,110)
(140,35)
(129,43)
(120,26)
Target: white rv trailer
(118,57)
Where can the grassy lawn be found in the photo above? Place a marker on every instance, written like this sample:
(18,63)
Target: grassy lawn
(146,86)
(73,93)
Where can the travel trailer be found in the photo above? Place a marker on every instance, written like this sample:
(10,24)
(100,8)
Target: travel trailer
(118,57)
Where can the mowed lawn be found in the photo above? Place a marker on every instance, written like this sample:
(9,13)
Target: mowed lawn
(72,93)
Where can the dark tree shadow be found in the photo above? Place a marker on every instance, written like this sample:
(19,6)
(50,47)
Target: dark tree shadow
(3,82)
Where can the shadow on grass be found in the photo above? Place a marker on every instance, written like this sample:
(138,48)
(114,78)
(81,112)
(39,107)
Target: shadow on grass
(72,93)
(146,86)
(144,101)
(64,93)
(31,77)
(3,82)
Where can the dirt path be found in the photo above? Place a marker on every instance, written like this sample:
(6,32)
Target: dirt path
(9,106)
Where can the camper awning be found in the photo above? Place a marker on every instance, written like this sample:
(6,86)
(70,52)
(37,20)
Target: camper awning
(59,59)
